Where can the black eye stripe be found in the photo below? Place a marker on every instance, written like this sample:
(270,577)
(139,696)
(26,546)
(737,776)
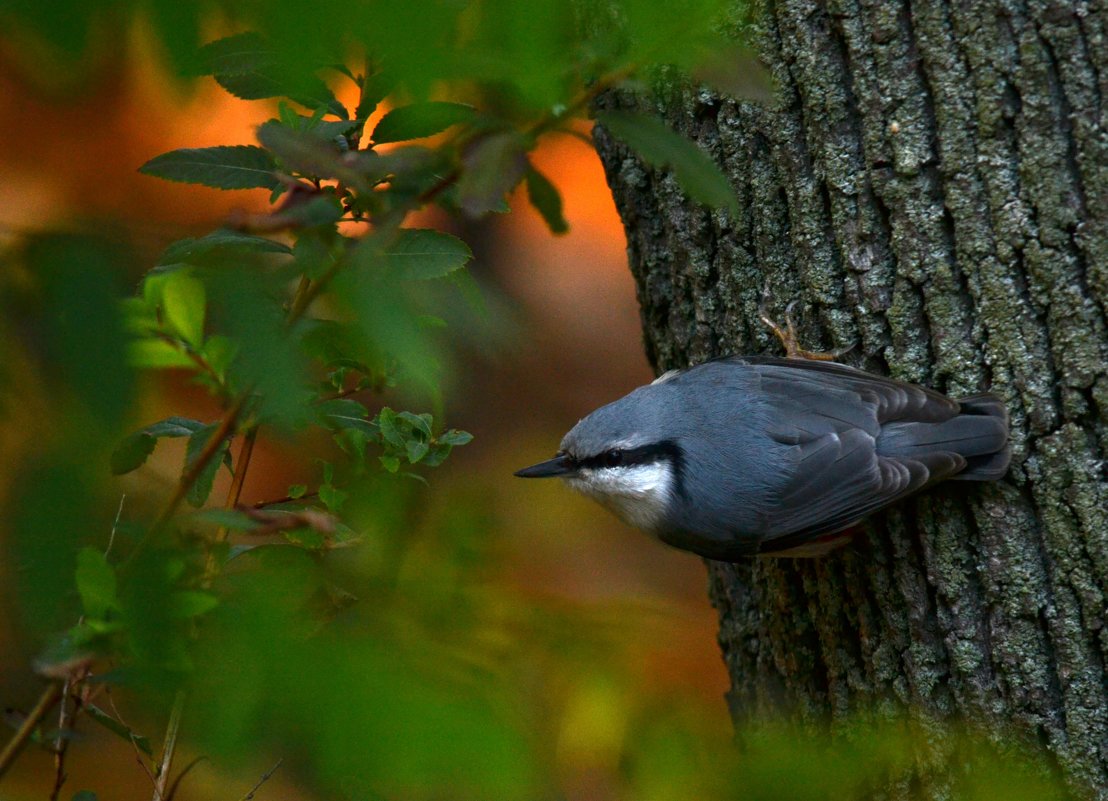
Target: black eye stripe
(624,457)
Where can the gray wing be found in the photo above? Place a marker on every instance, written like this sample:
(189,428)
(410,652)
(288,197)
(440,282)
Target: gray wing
(829,417)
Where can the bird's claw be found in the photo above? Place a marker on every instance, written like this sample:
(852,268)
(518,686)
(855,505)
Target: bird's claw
(788,337)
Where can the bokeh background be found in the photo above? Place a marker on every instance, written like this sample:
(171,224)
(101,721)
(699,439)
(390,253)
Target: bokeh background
(567,340)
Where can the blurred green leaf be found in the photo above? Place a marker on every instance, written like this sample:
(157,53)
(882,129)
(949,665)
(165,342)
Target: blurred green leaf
(222,167)
(95,583)
(221,243)
(132,452)
(184,301)
(492,166)
(186,604)
(422,253)
(84,795)
(546,200)
(661,147)
(419,120)
(202,487)
(298,490)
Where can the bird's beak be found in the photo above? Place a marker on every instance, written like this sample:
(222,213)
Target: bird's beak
(560,465)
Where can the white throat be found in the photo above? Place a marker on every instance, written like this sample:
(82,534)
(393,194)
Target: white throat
(639,494)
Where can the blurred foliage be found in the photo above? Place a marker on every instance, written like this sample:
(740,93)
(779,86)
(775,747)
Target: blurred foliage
(317,626)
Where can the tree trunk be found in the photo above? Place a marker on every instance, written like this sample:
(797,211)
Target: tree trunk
(931,181)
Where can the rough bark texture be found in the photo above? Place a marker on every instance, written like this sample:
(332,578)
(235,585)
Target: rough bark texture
(931,180)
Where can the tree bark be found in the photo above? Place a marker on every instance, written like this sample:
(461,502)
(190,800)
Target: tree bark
(931,180)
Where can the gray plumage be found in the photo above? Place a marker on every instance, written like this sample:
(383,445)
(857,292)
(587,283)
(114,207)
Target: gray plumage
(750,455)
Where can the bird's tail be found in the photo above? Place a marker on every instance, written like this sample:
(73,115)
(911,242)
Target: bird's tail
(979,435)
(988,416)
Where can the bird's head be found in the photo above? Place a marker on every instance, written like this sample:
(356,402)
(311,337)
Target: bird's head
(620,456)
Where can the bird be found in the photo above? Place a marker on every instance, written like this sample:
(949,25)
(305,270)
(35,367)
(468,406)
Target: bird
(761,455)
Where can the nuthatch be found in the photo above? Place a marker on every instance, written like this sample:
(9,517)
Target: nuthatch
(757,455)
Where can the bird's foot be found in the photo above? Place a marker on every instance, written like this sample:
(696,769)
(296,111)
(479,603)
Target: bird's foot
(788,337)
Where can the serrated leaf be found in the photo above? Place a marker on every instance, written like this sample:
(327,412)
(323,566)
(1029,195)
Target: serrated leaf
(202,487)
(222,167)
(184,302)
(420,422)
(117,728)
(546,200)
(132,453)
(248,66)
(658,145)
(386,420)
(416,449)
(96,583)
(375,89)
(421,253)
(174,426)
(309,153)
(221,243)
(455,437)
(419,120)
(492,166)
(185,604)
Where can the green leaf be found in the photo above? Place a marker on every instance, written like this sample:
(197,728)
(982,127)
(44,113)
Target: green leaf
(547,201)
(661,147)
(173,427)
(222,167)
(248,66)
(221,243)
(419,120)
(421,253)
(332,497)
(132,452)
(298,490)
(390,463)
(184,301)
(492,166)
(392,434)
(227,518)
(374,89)
(416,449)
(89,795)
(455,437)
(95,583)
(420,422)
(117,728)
(157,354)
(309,153)
(202,487)
(185,604)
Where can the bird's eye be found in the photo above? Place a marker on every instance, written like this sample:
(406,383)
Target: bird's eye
(612,458)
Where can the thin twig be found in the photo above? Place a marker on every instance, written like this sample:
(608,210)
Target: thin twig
(286,499)
(265,777)
(133,740)
(171,732)
(180,777)
(44,704)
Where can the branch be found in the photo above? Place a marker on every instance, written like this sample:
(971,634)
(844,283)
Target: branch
(171,732)
(45,703)
(265,777)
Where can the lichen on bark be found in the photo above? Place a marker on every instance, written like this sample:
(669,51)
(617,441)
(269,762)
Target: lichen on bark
(931,180)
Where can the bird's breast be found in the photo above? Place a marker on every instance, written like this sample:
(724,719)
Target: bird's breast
(640,495)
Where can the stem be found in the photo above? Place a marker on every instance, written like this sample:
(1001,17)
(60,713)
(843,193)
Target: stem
(171,732)
(44,704)
(246,450)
